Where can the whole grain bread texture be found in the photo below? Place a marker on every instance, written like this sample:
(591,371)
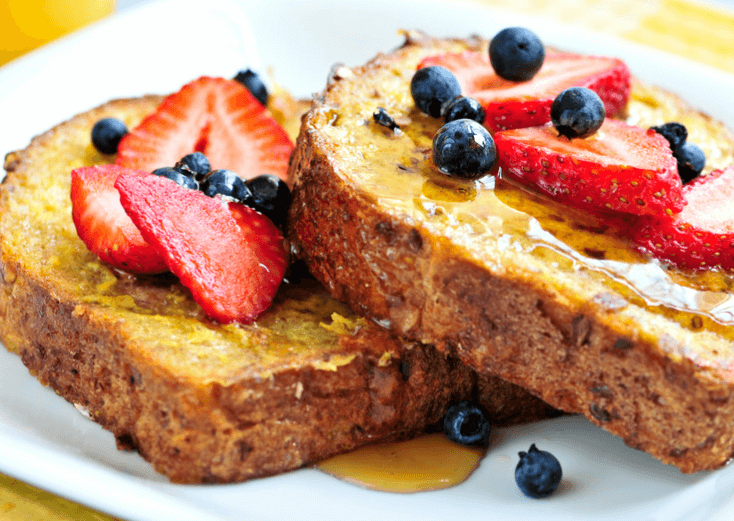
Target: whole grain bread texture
(201,401)
(509,281)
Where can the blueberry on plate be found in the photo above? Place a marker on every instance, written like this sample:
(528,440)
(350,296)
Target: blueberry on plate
(107,133)
(691,160)
(431,87)
(270,196)
(577,112)
(516,54)
(674,132)
(195,164)
(462,107)
(538,473)
(254,84)
(464,148)
(222,182)
(467,423)
(179,178)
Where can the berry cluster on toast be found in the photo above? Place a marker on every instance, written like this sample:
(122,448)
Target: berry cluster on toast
(205,401)
(514,282)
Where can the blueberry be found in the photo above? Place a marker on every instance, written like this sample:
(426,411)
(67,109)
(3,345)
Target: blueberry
(271,197)
(254,84)
(222,182)
(195,164)
(464,148)
(691,161)
(462,107)
(467,423)
(538,473)
(431,87)
(690,157)
(107,133)
(243,194)
(381,117)
(577,112)
(675,133)
(516,54)
(179,178)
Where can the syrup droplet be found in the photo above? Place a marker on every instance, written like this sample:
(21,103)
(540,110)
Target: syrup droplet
(429,462)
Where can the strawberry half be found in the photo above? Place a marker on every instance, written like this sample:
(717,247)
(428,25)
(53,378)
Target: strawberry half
(511,104)
(218,117)
(231,257)
(621,168)
(702,235)
(102,223)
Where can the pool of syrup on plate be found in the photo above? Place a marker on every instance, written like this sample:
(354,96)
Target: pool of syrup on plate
(429,462)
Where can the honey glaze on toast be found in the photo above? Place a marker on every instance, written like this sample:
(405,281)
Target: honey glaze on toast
(515,284)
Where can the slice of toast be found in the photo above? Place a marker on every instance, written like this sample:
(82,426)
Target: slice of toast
(513,283)
(204,402)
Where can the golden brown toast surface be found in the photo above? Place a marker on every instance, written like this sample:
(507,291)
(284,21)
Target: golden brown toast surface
(205,402)
(514,284)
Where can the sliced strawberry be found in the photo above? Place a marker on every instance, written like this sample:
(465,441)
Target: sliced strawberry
(218,117)
(231,257)
(702,235)
(102,223)
(621,168)
(511,104)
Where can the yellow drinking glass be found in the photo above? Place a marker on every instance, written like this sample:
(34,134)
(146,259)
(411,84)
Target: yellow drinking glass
(27,24)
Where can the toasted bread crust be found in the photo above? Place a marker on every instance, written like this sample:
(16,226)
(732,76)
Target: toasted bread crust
(201,402)
(663,386)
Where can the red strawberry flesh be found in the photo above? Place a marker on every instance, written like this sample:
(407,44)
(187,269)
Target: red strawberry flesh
(621,168)
(231,257)
(215,116)
(102,223)
(511,104)
(710,201)
(702,235)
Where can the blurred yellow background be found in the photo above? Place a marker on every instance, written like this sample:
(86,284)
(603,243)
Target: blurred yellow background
(27,24)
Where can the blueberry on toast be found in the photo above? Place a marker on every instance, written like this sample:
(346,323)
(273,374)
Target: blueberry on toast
(516,283)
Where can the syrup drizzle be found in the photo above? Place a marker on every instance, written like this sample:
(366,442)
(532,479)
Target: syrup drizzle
(499,223)
(429,462)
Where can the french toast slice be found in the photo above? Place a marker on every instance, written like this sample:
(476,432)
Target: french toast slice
(201,401)
(511,282)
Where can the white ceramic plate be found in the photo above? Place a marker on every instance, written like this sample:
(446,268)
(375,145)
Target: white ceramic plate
(157,47)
